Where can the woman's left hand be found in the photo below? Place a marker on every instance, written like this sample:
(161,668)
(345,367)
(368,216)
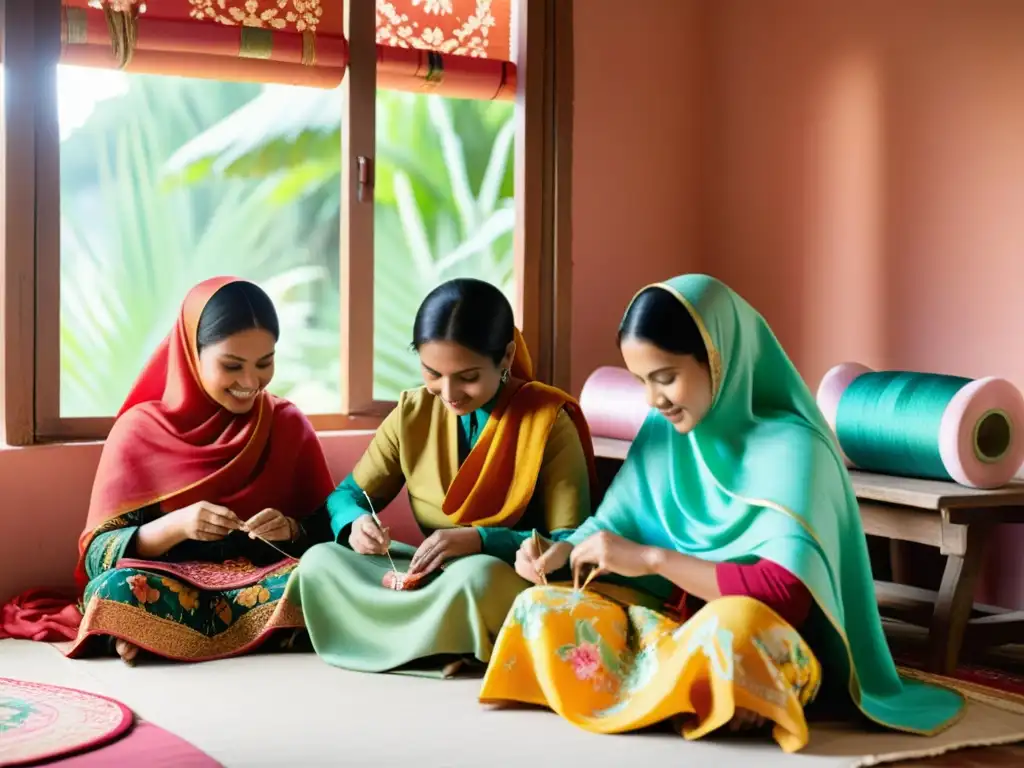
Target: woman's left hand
(272,525)
(609,553)
(444,545)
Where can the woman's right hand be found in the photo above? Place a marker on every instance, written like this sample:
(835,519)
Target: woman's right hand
(367,539)
(204,521)
(534,566)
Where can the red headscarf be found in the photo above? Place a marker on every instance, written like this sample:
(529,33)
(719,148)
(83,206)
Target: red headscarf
(173,445)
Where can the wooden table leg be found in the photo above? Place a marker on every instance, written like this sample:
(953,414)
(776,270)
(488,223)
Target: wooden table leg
(899,561)
(955,601)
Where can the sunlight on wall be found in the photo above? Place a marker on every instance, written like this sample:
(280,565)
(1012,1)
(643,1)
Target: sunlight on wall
(844,231)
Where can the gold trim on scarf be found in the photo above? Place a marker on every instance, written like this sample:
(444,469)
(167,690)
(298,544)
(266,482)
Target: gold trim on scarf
(109,550)
(854,681)
(714,356)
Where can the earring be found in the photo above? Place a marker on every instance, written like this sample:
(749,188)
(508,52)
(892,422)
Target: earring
(504,375)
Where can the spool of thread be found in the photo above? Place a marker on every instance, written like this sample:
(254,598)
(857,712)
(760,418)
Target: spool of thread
(614,403)
(925,424)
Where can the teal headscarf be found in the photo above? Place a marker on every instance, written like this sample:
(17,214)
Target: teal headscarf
(761,477)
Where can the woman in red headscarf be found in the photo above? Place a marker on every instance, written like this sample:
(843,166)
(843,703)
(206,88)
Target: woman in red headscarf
(201,489)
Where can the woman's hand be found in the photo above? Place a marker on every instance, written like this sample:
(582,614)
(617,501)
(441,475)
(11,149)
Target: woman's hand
(609,553)
(444,545)
(272,525)
(534,566)
(204,521)
(367,539)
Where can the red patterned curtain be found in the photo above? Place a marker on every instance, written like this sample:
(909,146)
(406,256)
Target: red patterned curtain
(460,48)
(297,42)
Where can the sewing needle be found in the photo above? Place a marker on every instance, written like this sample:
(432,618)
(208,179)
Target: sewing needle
(538,542)
(380,525)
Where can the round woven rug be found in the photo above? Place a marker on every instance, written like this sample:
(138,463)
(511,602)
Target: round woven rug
(42,722)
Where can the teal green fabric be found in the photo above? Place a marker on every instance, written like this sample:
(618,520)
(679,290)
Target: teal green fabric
(347,502)
(107,548)
(210,614)
(355,624)
(760,476)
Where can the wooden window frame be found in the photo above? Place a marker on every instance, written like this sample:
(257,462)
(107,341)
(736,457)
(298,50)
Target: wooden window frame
(30,253)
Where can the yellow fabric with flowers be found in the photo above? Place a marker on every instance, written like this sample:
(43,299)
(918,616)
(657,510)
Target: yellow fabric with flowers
(609,668)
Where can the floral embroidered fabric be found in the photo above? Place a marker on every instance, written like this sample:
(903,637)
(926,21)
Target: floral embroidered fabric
(609,668)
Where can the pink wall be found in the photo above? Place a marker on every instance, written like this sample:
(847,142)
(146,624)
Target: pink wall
(865,174)
(839,163)
(635,200)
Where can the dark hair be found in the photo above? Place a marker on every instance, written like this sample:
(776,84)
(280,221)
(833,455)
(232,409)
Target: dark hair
(469,312)
(658,317)
(236,307)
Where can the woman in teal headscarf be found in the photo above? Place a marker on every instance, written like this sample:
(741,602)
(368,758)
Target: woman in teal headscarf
(733,493)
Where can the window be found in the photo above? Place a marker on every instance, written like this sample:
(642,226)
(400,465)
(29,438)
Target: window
(348,189)
(444,208)
(157,195)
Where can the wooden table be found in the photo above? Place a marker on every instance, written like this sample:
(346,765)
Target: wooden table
(956,520)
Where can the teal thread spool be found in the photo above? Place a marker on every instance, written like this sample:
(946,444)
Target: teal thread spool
(925,425)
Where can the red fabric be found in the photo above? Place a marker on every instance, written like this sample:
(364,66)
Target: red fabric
(40,615)
(174,445)
(146,744)
(678,604)
(772,584)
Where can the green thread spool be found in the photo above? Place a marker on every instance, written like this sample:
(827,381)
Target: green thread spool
(925,425)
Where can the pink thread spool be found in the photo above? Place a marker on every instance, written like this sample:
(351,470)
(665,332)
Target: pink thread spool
(614,403)
(979,440)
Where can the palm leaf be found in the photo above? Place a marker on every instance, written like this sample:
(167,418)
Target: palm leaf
(414,229)
(500,223)
(124,272)
(497,167)
(283,128)
(455,161)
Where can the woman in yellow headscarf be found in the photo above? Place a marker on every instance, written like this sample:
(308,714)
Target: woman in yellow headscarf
(488,455)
